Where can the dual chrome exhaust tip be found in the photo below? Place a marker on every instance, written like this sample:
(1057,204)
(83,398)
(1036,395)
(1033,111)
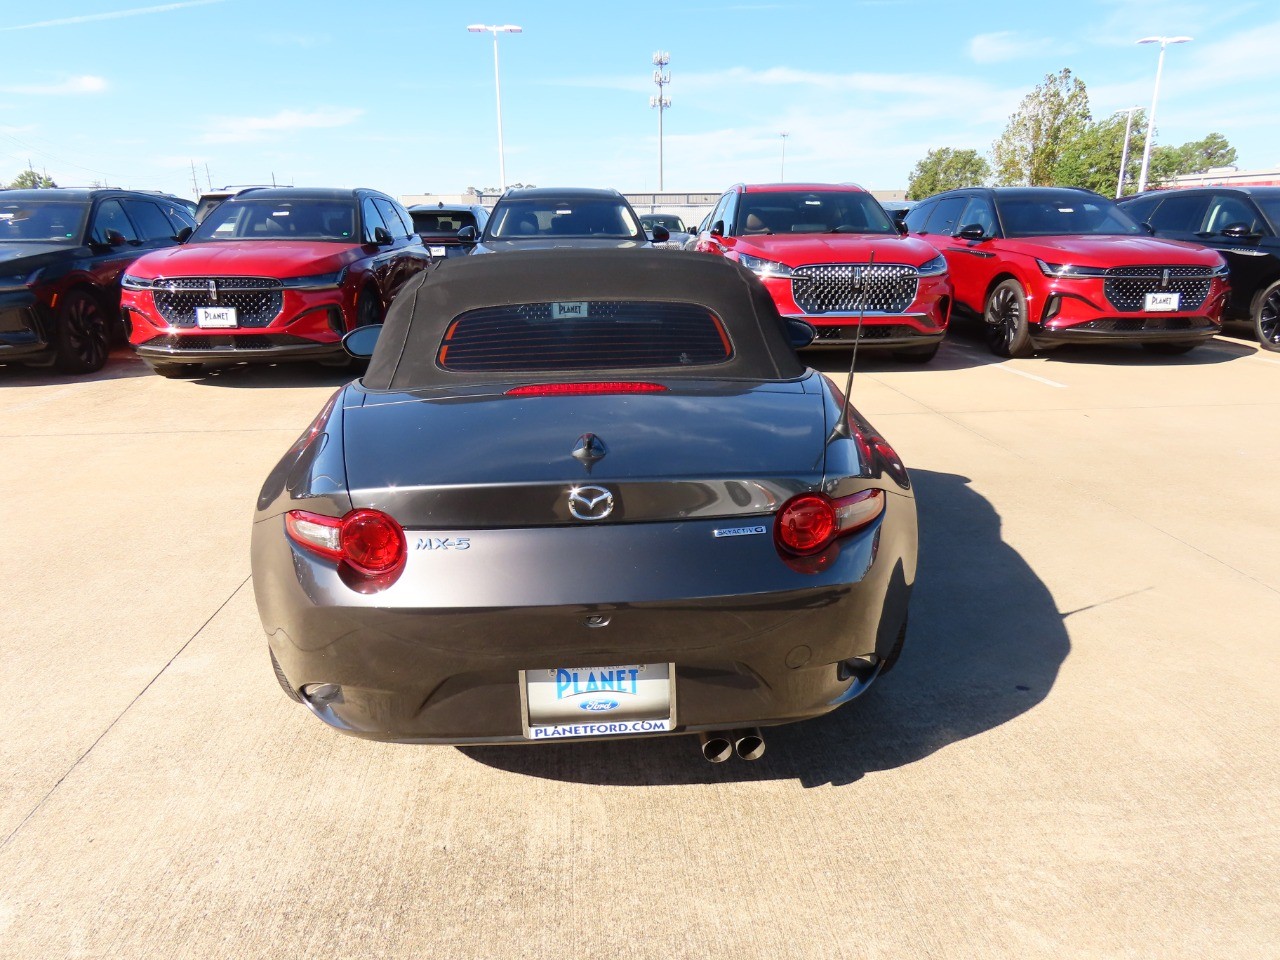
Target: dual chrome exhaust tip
(719,746)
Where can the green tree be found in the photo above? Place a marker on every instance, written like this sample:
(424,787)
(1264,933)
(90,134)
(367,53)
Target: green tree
(1092,158)
(1047,120)
(947,169)
(29,179)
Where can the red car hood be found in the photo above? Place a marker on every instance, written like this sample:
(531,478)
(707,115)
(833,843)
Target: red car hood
(247,258)
(1112,251)
(796,250)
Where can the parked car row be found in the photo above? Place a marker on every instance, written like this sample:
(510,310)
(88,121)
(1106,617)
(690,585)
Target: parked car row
(279,273)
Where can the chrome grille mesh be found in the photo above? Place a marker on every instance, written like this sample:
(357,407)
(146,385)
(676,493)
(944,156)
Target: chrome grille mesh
(1127,287)
(257,300)
(849,287)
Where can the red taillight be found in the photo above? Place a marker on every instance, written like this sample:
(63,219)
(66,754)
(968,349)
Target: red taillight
(806,524)
(586,388)
(367,542)
(809,523)
(372,542)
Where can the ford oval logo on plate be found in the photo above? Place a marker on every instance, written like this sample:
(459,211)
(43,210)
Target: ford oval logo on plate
(597,705)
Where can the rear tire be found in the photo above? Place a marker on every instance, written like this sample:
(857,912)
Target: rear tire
(1266,317)
(172,371)
(291,693)
(896,650)
(1170,349)
(81,334)
(917,354)
(1005,321)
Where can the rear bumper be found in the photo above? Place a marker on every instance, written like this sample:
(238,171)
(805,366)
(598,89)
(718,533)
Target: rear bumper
(451,674)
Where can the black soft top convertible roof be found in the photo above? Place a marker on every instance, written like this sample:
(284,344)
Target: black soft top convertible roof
(405,357)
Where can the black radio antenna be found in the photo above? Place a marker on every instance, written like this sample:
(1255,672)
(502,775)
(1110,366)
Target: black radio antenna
(842,424)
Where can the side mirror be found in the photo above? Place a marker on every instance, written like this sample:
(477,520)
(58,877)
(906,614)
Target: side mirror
(1238,231)
(717,228)
(382,236)
(115,238)
(468,235)
(1148,227)
(184,235)
(660,233)
(361,341)
(902,227)
(972,231)
(801,332)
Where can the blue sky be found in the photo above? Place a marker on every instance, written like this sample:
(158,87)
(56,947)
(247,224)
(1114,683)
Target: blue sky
(397,95)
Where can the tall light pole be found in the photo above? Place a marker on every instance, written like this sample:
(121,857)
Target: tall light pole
(1155,95)
(497,86)
(1124,152)
(782,173)
(660,60)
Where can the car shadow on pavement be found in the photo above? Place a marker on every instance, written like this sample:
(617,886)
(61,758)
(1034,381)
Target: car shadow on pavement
(122,364)
(985,645)
(967,334)
(271,376)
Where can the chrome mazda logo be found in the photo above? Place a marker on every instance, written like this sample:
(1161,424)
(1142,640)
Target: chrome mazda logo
(590,503)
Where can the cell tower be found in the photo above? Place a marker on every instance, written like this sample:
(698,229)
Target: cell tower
(660,60)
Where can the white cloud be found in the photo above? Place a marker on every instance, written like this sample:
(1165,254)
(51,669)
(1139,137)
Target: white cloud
(256,129)
(111,15)
(1008,45)
(70,86)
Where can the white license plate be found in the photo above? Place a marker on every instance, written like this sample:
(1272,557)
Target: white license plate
(216,317)
(598,701)
(438,251)
(1161,302)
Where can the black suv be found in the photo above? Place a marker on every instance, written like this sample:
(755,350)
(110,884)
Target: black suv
(61,256)
(1243,223)
(540,218)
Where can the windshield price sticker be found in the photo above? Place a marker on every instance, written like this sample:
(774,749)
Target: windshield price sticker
(1161,302)
(216,317)
(598,701)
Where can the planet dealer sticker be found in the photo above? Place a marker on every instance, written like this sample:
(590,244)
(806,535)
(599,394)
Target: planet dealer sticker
(597,701)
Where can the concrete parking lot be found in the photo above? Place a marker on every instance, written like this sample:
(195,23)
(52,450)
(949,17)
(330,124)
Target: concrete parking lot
(1076,757)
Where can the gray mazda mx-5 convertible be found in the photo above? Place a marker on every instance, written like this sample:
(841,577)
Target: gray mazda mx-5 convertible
(583,494)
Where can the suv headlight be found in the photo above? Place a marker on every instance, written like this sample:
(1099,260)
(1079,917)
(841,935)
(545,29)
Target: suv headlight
(762,267)
(1069,271)
(934,268)
(1222,270)
(130,282)
(318,281)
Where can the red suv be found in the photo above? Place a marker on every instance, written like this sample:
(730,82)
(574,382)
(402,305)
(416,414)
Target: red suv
(1045,266)
(830,255)
(271,274)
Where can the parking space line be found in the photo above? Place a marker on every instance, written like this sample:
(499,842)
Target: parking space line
(1002,365)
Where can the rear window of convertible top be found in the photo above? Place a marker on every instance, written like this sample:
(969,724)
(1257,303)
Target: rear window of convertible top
(584,335)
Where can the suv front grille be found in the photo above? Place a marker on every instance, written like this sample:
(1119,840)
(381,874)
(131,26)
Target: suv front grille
(257,300)
(849,287)
(1127,287)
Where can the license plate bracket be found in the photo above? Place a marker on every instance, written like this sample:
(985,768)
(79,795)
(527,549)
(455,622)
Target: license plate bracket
(216,318)
(598,701)
(1161,302)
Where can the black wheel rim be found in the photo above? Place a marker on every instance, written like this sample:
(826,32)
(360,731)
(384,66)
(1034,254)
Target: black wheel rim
(85,332)
(1269,319)
(1004,314)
